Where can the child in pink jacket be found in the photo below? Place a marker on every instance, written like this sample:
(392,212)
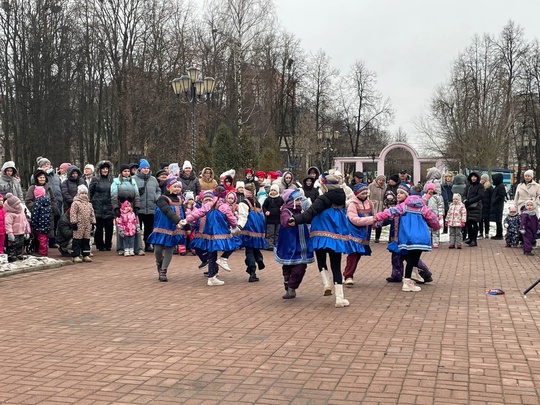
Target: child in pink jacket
(360,214)
(2,224)
(455,221)
(17,227)
(127,226)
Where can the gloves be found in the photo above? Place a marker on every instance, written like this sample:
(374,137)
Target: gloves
(26,236)
(138,228)
(291,221)
(120,232)
(74,227)
(182,223)
(117,212)
(522,231)
(136,211)
(462,224)
(11,237)
(236,230)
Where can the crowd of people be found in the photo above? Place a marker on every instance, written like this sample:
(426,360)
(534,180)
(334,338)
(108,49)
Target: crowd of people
(320,217)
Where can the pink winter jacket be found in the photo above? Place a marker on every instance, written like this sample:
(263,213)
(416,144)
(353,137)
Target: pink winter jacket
(222,206)
(128,220)
(355,206)
(457,215)
(16,222)
(411,203)
(2,221)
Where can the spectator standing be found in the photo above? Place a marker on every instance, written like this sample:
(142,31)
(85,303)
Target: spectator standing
(9,183)
(447,195)
(474,193)
(100,197)
(149,192)
(377,189)
(70,185)
(498,196)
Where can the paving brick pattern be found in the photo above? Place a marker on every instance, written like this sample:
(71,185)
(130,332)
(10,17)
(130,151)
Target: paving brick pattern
(109,332)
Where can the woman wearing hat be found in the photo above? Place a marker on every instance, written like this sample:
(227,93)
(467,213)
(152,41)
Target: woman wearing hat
(376,195)
(528,189)
(149,192)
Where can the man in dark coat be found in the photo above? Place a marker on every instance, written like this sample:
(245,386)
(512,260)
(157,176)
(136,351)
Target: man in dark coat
(474,193)
(100,197)
(497,204)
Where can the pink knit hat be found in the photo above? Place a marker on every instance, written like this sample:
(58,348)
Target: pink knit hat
(39,191)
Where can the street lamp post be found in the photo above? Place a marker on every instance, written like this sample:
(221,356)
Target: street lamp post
(190,88)
(373,155)
(328,137)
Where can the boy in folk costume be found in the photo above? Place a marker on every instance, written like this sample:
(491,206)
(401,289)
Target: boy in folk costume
(293,249)
(360,214)
(252,224)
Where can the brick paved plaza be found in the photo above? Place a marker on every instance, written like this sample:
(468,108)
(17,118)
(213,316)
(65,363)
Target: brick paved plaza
(109,332)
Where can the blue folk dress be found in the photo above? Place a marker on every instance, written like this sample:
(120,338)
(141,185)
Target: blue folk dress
(213,233)
(165,231)
(331,229)
(413,231)
(362,234)
(253,233)
(293,246)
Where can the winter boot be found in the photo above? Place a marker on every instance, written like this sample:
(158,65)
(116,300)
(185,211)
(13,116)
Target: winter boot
(163,275)
(326,281)
(417,277)
(291,293)
(86,259)
(158,265)
(409,286)
(77,259)
(340,299)
(253,277)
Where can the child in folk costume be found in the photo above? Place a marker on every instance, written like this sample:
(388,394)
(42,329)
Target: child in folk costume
(252,227)
(528,227)
(17,227)
(512,223)
(127,225)
(415,219)
(330,233)
(293,249)
(169,226)
(189,205)
(455,221)
(42,216)
(230,199)
(360,214)
(215,219)
(82,221)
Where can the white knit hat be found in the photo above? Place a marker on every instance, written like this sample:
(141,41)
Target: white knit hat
(187,164)
(240,184)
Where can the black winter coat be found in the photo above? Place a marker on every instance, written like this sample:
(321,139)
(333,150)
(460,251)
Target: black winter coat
(69,186)
(190,183)
(99,193)
(497,198)
(64,233)
(474,193)
(273,205)
(486,201)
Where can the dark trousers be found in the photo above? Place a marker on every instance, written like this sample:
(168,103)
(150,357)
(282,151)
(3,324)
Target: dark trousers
(294,274)
(253,257)
(484,227)
(81,247)
(226,254)
(107,225)
(212,266)
(378,232)
(272,234)
(335,263)
(147,224)
(412,258)
(15,248)
(499,227)
(472,230)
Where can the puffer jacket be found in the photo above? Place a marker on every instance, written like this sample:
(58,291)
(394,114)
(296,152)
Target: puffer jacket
(30,197)
(15,221)
(497,198)
(357,206)
(527,191)
(125,189)
(99,191)
(149,192)
(69,186)
(460,183)
(10,184)
(190,183)
(208,185)
(64,233)
(474,193)
(42,216)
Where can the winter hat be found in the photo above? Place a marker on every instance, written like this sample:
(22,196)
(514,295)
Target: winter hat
(220,192)
(395,178)
(160,172)
(41,161)
(143,163)
(39,191)
(233,194)
(275,187)
(273,175)
(132,165)
(249,190)
(163,165)
(484,177)
(380,176)
(240,184)
(530,202)
(90,166)
(187,164)
(190,195)
(529,173)
(207,194)
(65,166)
(125,204)
(40,172)
(82,189)
(291,194)
(123,167)
(458,196)
(360,175)
(360,188)
(230,172)
(430,186)
(260,174)
(248,170)
(511,209)
(330,181)
(12,200)
(404,188)
(171,181)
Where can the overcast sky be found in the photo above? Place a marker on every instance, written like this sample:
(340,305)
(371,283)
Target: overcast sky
(409,44)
